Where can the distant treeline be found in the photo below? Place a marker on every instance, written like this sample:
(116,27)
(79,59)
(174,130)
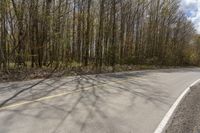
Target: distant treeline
(45,33)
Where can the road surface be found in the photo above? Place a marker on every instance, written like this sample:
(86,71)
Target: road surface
(129,102)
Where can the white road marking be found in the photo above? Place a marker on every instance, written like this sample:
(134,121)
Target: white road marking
(161,127)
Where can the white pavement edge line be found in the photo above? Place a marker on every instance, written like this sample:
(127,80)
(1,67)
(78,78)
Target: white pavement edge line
(169,114)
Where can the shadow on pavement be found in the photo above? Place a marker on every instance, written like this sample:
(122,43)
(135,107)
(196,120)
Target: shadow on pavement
(98,101)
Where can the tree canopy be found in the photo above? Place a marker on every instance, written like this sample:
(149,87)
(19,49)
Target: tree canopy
(38,33)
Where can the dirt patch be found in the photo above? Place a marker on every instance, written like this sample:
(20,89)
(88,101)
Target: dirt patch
(187,116)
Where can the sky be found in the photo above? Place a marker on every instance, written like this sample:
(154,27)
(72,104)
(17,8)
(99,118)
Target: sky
(192,10)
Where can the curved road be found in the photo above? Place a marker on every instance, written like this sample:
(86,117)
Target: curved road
(129,102)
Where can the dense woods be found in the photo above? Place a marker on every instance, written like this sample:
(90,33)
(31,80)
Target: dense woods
(49,33)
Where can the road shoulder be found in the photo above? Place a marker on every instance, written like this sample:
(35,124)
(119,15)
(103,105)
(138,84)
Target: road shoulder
(186,117)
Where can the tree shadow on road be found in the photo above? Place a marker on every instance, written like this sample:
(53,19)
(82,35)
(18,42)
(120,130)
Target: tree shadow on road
(107,93)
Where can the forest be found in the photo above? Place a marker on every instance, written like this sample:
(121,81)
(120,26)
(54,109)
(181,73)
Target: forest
(98,33)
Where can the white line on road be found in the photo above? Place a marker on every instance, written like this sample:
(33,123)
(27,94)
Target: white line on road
(161,127)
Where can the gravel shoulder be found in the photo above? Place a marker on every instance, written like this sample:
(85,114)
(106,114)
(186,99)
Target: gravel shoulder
(187,116)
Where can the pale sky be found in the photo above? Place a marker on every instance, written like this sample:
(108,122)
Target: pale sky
(192,10)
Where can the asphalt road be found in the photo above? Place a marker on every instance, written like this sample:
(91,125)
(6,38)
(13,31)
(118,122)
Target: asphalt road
(130,102)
